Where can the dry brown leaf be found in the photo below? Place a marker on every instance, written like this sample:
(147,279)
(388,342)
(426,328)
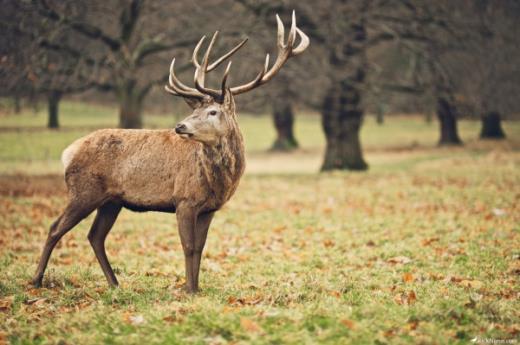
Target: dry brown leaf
(348,323)
(327,210)
(328,243)
(406,298)
(6,303)
(399,260)
(408,277)
(412,297)
(249,325)
(248,300)
(428,241)
(3,338)
(170,318)
(475,284)
(336,294)
(35,301)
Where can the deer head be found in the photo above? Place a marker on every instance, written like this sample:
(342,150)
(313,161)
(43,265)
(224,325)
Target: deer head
(214,110)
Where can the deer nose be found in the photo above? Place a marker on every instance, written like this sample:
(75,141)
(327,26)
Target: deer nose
(181,127)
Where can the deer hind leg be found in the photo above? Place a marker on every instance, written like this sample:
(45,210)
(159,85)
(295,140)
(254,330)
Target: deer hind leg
(73,214)
(105,219)
(201,233)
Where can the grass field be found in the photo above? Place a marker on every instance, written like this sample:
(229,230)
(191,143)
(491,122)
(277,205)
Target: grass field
(422,249)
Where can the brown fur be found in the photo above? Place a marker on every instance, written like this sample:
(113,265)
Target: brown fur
(153,170)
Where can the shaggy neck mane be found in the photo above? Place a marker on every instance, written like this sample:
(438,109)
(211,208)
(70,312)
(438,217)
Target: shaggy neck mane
(222,164)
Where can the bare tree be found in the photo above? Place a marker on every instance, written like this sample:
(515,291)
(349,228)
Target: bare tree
(126,50)
(490,76)
(343,33)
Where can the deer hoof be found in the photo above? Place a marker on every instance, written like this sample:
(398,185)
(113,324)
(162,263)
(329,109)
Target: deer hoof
(36,282)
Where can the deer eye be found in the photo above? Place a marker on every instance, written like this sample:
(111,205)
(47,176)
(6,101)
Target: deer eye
(213,112)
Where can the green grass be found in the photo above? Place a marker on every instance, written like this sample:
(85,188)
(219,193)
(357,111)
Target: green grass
(423,248)
(27,147)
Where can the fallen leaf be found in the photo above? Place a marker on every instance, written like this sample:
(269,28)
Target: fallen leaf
(406,298)
(6,303)
(249,325)
(399,260)
(499,212)
(471,283)
(408,277)
(412,297)
(136,320)
(170,318)
(348,323)
(133,319)
(35,301)
(248,300)
(3,338)
(336,294)
(328,243)
(428,241)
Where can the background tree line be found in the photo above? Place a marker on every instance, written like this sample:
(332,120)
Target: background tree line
(450,58)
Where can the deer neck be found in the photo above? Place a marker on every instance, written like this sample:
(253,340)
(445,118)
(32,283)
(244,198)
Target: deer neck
(223,163)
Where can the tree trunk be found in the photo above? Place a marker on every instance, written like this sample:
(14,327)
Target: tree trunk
(446,113)
(380,114)
(342,117)
(492,126)
(130,108)
(17,105)
(283,119)
(53,100)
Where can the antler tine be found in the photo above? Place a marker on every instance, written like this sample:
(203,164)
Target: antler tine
(224,79)
(285,51)
(196,52)
(292,32)
(304,43)
(280,33)
(227,55)
(217,63)
(200,71)
(177,88)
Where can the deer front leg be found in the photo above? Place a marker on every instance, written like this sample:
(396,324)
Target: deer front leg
(201,233)
(187,220)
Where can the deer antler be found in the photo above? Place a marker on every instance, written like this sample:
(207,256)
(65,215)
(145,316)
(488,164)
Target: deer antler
(177,88)
(285,52)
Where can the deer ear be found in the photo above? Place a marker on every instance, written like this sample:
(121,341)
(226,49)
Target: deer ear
(229,101)
(193,102)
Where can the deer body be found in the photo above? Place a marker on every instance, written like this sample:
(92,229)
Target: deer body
(154,170)
(191,171)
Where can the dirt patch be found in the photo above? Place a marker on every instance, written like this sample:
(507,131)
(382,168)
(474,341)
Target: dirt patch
(24,185)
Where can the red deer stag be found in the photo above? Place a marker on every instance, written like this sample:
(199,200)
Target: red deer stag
(191,171)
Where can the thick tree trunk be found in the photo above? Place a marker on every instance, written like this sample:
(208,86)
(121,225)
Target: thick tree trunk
(283,119)
(342,117)
(492,126)
(130,108)
(53,99)
(446,114)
